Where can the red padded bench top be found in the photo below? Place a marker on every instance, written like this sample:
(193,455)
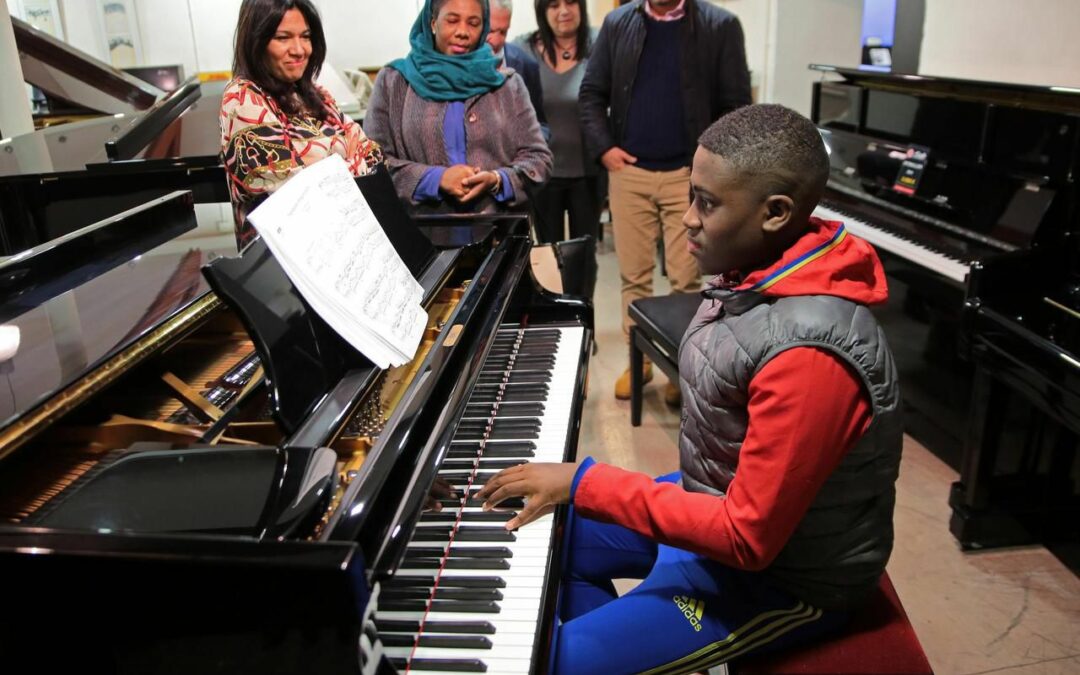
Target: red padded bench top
(879,639)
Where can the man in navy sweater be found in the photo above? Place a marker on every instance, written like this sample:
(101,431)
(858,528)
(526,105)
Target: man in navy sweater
(660,72)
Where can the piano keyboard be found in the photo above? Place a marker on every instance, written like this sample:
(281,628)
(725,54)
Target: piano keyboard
(468,595)
(909,249)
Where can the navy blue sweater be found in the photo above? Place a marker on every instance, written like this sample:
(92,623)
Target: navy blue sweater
(656,120)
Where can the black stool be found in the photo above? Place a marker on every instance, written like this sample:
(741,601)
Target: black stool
(659,324)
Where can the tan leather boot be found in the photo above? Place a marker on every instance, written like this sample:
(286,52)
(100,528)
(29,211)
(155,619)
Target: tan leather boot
(622,385)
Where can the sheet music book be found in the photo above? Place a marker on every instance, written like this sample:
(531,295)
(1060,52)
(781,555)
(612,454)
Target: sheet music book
(323,234)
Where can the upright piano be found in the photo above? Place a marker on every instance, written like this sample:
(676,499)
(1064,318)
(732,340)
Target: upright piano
(197,475)
(144,144)
(969,192)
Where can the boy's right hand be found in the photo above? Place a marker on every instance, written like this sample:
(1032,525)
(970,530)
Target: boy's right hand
(543,485)
(616,158)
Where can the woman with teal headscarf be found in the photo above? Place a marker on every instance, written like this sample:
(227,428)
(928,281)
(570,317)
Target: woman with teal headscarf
(458,132)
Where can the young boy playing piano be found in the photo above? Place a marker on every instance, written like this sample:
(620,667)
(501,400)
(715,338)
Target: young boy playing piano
(780,519)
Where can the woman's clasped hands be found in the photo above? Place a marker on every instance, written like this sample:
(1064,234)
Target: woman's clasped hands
(465,183)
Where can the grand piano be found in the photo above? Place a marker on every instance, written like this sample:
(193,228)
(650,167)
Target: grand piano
(197,475)
(969,192)
(142,144)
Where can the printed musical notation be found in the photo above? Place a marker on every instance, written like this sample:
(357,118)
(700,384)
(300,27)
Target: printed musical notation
(322,231)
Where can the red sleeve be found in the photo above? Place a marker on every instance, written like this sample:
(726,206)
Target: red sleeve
(806,410)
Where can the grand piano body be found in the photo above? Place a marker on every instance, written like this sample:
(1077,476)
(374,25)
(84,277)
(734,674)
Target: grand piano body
(197,480)
(969,192)
(142,145)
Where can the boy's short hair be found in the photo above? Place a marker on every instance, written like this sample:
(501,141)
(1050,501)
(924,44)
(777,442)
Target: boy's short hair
(772,149)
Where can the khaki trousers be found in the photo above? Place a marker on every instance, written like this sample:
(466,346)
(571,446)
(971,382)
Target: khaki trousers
(646,205)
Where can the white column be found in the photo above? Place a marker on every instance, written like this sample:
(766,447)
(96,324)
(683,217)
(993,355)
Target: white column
(15,115)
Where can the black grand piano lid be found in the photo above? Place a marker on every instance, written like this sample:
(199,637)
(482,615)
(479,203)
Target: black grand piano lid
(80,300)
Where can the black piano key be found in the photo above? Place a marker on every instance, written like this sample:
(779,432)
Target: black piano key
(481,551)
(423,552)
(484,464)
(510,361)
(485,411)
(476,564)
(531,376)
(514,503)
(516,433)
(398,639)
(455,478)
(425,563)
(534,388)
(460,552)
(458,564)
(462,606)
(507,424)
(440,641)
(522,394)
(464,533)
(413,627)
(510,449)
(454,665)
(494,450)
(484,534)
(425,580)
(468,517)
(509,395)
(472,594)
(520,410)
(455,641)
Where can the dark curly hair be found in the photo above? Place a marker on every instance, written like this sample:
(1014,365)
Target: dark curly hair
(774,149)
(259,20)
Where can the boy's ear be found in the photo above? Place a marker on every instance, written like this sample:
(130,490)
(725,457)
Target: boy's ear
(778,212)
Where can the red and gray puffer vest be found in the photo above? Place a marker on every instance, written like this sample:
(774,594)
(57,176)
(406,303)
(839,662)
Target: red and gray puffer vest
(838,552)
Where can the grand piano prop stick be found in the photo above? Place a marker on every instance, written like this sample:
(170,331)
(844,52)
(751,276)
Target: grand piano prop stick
(324,235)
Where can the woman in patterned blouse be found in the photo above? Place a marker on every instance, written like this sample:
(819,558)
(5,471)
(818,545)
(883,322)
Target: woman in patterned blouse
(274,119)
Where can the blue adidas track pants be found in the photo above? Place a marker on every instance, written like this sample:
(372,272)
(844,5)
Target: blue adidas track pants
(688,614)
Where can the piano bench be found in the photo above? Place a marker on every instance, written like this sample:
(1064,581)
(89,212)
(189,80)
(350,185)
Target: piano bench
(659,324)
(879,639)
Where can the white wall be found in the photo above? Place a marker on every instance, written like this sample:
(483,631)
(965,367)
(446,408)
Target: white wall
(755,16)
(804,32)
(166,34)
(1033,42)
(82,27)
(199,33)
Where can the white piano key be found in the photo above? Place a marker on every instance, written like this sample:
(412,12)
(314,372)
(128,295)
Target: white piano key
(516,625)
(920,255)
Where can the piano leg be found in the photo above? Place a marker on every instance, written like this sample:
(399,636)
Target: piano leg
(1014,488)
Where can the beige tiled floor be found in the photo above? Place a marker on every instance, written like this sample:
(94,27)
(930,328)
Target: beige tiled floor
(1003,611)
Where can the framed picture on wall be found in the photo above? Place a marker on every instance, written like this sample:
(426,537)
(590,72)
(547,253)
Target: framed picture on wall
(121,31)
(41,14)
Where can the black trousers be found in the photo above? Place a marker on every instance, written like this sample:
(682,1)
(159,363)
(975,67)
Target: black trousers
(579,196)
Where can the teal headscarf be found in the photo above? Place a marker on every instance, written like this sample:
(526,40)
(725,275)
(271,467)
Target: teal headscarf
(441,77)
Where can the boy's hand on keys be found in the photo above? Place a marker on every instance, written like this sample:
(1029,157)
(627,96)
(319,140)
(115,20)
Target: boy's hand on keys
(543,485)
